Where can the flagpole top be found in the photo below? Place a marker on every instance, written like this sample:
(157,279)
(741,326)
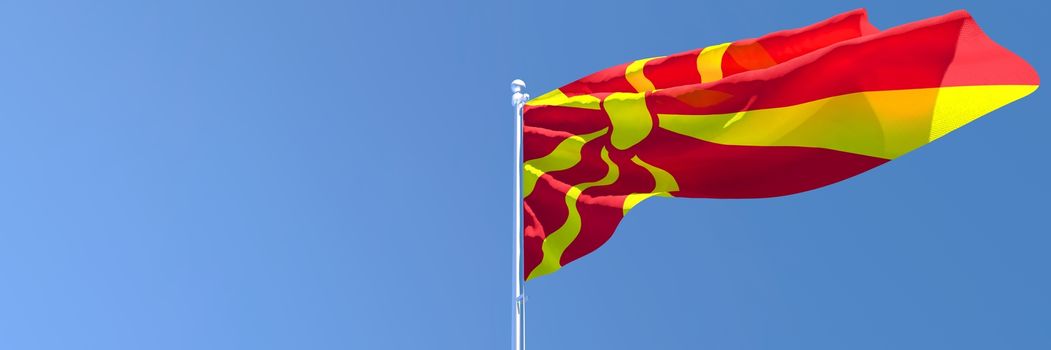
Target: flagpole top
(520,97)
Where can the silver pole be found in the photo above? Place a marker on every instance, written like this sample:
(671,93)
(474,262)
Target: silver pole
(518,100)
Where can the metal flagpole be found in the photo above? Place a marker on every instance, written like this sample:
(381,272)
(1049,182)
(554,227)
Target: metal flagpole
(518,100)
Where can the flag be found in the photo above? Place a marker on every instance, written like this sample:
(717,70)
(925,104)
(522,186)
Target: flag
(781,114)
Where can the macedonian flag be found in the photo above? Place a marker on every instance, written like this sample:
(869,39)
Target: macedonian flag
(781,114)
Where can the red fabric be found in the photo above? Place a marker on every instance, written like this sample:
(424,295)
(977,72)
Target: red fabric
(842,55)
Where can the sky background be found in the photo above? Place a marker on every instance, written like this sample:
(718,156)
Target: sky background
(337,175)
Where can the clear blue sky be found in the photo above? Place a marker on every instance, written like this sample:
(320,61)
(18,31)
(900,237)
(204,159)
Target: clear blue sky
(336,175)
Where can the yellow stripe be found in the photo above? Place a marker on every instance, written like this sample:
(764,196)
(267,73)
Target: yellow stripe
(710,62)
(556,243)
(884,124)
(564,156)
(558,98)
(958,106)
(637,77)
(663,181)
(630,118)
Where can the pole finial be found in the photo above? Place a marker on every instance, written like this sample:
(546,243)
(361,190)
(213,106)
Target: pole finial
(520,97)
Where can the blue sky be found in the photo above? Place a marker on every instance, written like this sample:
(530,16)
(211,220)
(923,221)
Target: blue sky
(336,175)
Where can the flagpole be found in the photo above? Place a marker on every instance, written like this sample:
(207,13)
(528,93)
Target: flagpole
(518,100)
